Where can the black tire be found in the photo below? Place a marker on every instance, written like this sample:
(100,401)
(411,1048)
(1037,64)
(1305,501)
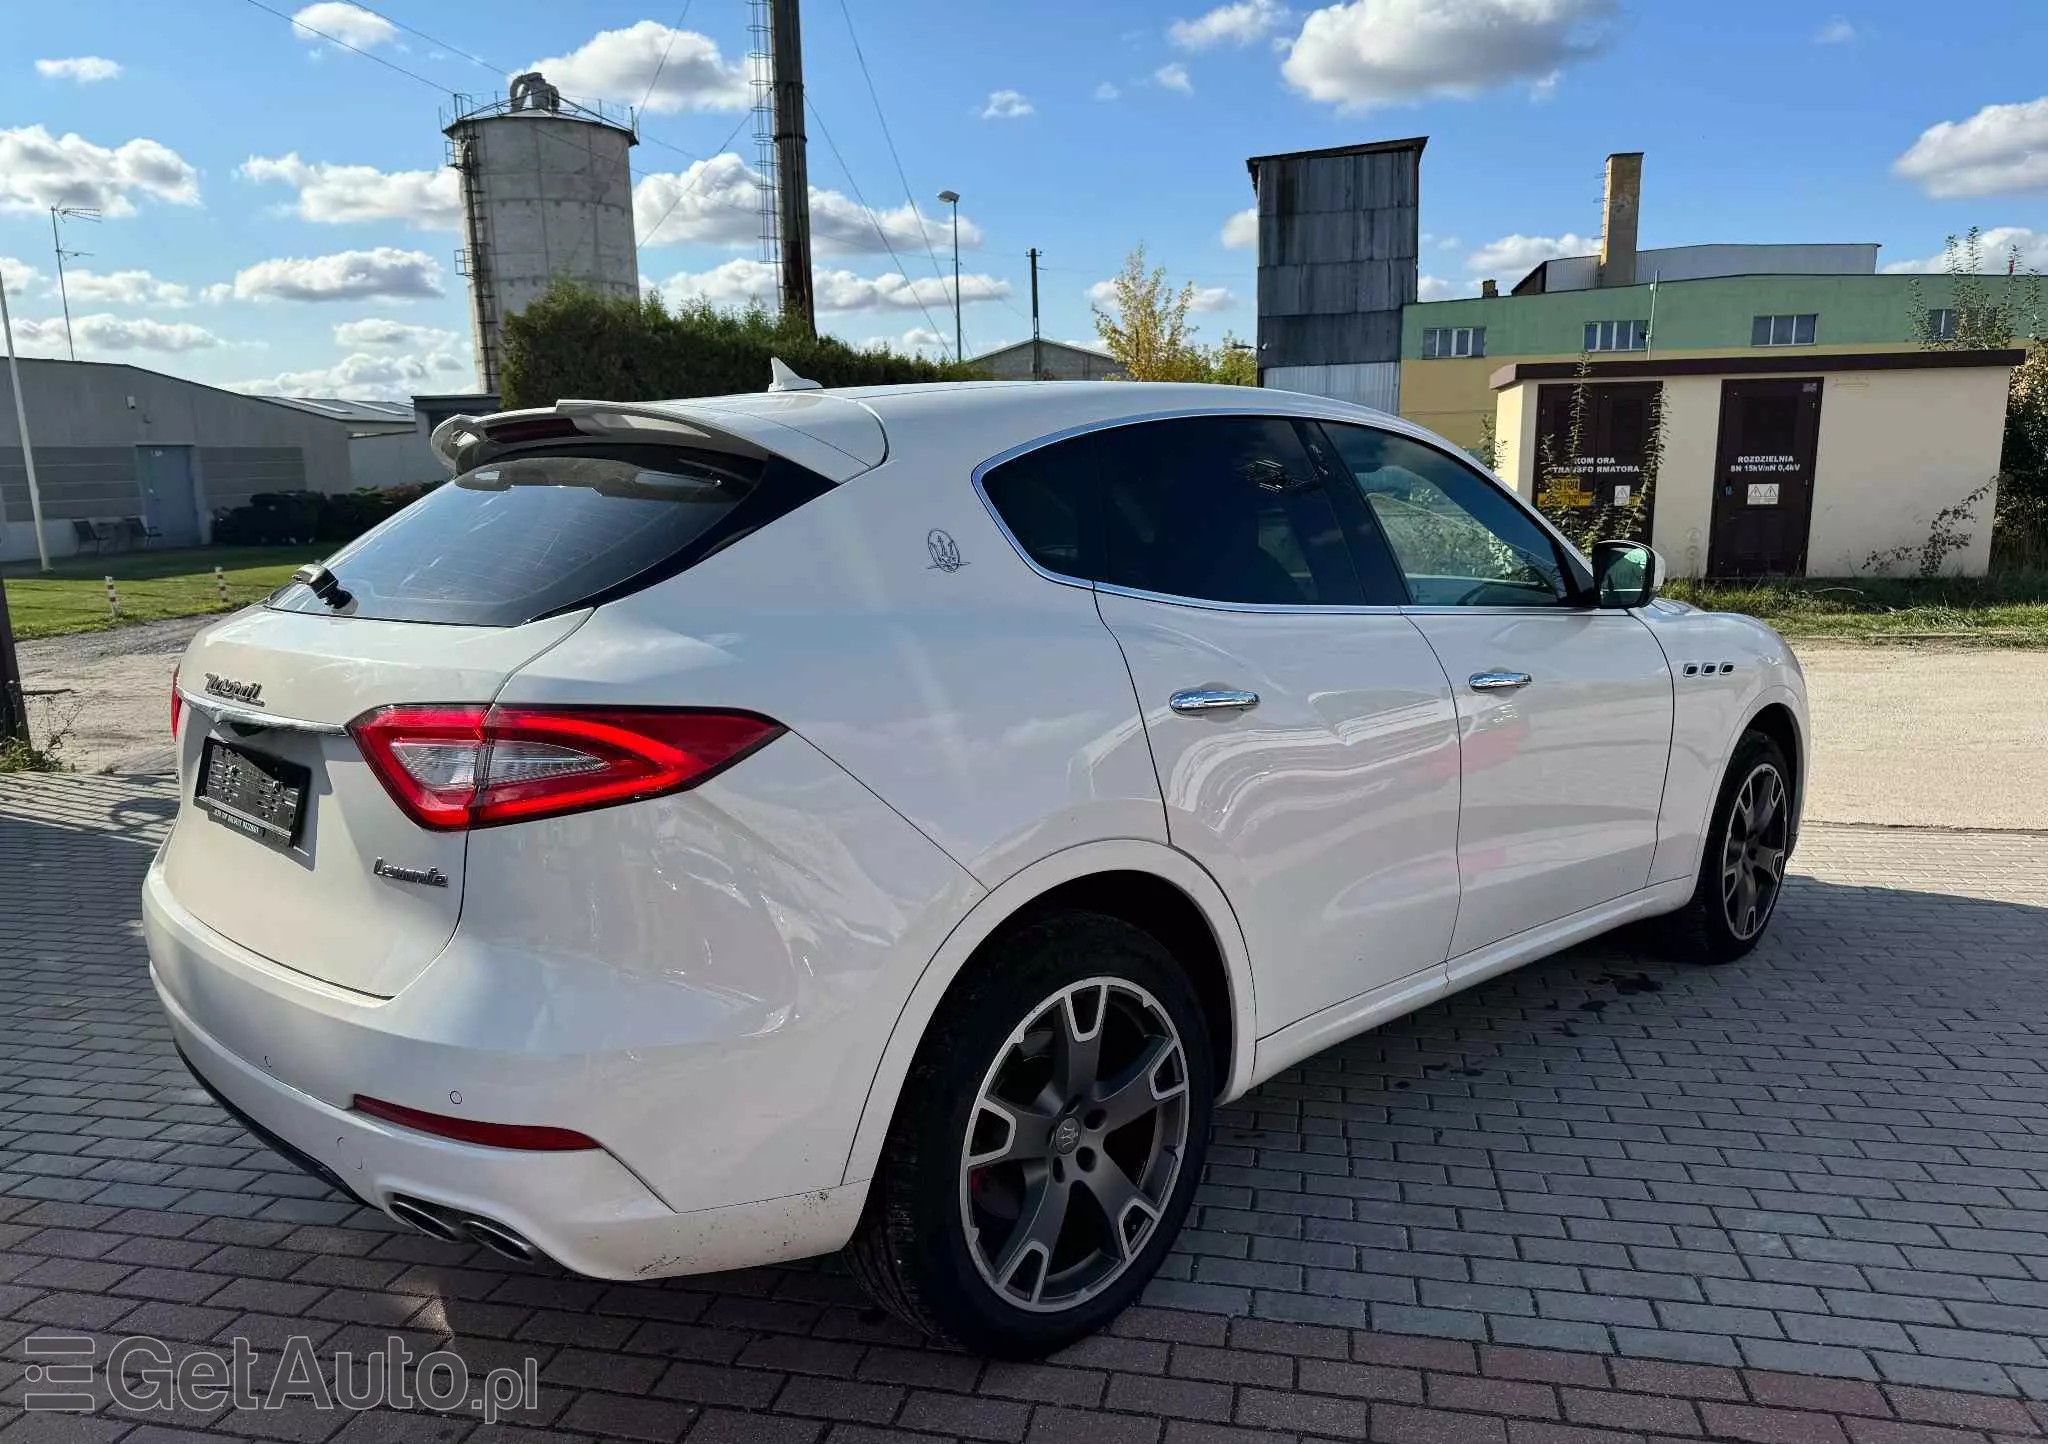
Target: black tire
(1711,928)
(914,1253)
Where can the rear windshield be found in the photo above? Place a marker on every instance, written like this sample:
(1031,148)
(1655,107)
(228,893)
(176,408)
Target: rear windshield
(536,534)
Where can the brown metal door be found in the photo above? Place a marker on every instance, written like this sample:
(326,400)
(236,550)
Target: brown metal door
(1614,429)
(1763,478)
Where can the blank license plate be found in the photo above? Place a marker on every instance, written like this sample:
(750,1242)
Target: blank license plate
(254,793)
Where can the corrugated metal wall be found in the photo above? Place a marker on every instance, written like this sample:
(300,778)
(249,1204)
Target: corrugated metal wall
(1338,245)
(233,474)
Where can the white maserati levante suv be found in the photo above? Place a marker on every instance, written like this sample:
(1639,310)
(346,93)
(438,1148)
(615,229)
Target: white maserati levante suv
(718,831)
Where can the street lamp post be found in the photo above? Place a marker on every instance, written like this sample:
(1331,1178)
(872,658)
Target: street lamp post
(952,198)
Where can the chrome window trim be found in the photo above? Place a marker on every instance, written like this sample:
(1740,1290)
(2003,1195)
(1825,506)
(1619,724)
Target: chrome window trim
(239,716)
(1321,415)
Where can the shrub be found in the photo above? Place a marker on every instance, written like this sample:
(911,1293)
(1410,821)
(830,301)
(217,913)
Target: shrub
(572,342)
(288,518)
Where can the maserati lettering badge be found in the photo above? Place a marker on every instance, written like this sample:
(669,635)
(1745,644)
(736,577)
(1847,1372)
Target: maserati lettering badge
(425,876)
(945,551)
(234,691)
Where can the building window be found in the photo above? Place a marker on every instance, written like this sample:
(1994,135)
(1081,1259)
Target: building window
(1941,325)
(1445,341)
(1617,335)
(1783,330)
(1986,327)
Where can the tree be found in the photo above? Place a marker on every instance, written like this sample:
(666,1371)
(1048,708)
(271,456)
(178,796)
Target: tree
(1149,332)
(572,342)
(1993,312)
(1234,363)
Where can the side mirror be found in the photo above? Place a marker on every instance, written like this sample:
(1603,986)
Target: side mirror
(1626,574)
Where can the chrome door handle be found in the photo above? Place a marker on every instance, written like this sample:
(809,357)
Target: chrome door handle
(1499,681)
(1213,699)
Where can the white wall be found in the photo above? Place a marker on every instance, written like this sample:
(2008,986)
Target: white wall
(1896,447)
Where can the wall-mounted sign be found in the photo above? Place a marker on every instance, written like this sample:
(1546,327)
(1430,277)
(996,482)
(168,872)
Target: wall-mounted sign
(1765,463)
(1763,493)
(1622,495)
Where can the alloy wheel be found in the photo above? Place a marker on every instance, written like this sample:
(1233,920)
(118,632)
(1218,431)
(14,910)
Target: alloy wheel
(1074,1144)
(1753,852)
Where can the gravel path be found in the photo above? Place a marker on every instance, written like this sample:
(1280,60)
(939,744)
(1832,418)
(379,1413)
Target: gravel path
(116,693)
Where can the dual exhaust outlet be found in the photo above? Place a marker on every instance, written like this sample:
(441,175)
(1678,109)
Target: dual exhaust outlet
(452,1225)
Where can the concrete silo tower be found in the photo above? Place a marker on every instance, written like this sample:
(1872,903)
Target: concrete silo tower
(547,194)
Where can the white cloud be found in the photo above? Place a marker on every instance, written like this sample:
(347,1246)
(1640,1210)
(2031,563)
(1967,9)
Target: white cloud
(427,200)
(1837,31)
(103,332)
(363,377)
(1238,23)
(1107,91)
(1241,231)
(620,65)
(2001,150)
(126,288)
(343,276)
(1102,293)
(377,333)
(1436,288)
(1173,77)
(350,24)
(19,276)
(84,69)
(717,202)
(1006,105)
(739,282)
(1389,52)
(38,170)
(1211,298)
(917,341)
(1512,256)
(1996,247)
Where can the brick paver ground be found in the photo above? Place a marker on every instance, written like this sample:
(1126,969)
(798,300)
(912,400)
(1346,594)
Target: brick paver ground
(1800,1200)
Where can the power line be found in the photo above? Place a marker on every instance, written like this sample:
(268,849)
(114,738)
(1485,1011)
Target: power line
(873,220)
(299,25)
(661,64)
(916,213)
(431,40)
(691,184)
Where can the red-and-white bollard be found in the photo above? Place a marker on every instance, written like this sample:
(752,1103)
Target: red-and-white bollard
(113,601)
(220,585)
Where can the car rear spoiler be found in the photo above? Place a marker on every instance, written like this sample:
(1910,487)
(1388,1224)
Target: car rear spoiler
(831,435)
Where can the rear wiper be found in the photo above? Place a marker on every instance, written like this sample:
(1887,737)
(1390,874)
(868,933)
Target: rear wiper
(322,583)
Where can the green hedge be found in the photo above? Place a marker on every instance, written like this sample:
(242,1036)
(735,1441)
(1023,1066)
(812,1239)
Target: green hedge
(287,518)
(574,343)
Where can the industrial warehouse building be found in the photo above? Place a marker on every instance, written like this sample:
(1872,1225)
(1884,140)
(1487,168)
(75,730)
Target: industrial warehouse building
(1806,428)
(115,443)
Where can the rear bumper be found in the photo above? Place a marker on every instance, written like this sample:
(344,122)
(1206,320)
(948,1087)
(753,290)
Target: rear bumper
(585,1210)
(294,1038)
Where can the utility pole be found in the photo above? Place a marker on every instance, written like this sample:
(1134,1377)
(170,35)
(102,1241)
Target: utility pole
(13,706)
(792,175)
(81,213)
(28,455)
(1037,346)
(952,198)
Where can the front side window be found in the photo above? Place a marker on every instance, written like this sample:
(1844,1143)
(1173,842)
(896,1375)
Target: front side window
(1791,330)
(1222,509)
(1443,342)
(1617,335)
(1458,541)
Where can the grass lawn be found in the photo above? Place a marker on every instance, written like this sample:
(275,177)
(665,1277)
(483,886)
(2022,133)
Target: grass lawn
(2009,610)
(72,596)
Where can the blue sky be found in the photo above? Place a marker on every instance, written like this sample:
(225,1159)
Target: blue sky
(277,214)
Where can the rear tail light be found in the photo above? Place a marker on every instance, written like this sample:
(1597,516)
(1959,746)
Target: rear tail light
(460,766)
(177,705)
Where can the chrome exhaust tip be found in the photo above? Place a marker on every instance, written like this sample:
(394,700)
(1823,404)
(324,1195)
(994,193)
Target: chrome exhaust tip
(499,1239)
(426,1218)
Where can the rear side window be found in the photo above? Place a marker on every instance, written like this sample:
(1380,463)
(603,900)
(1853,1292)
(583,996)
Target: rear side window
(1048,498)
(535,534)
(1222,509)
